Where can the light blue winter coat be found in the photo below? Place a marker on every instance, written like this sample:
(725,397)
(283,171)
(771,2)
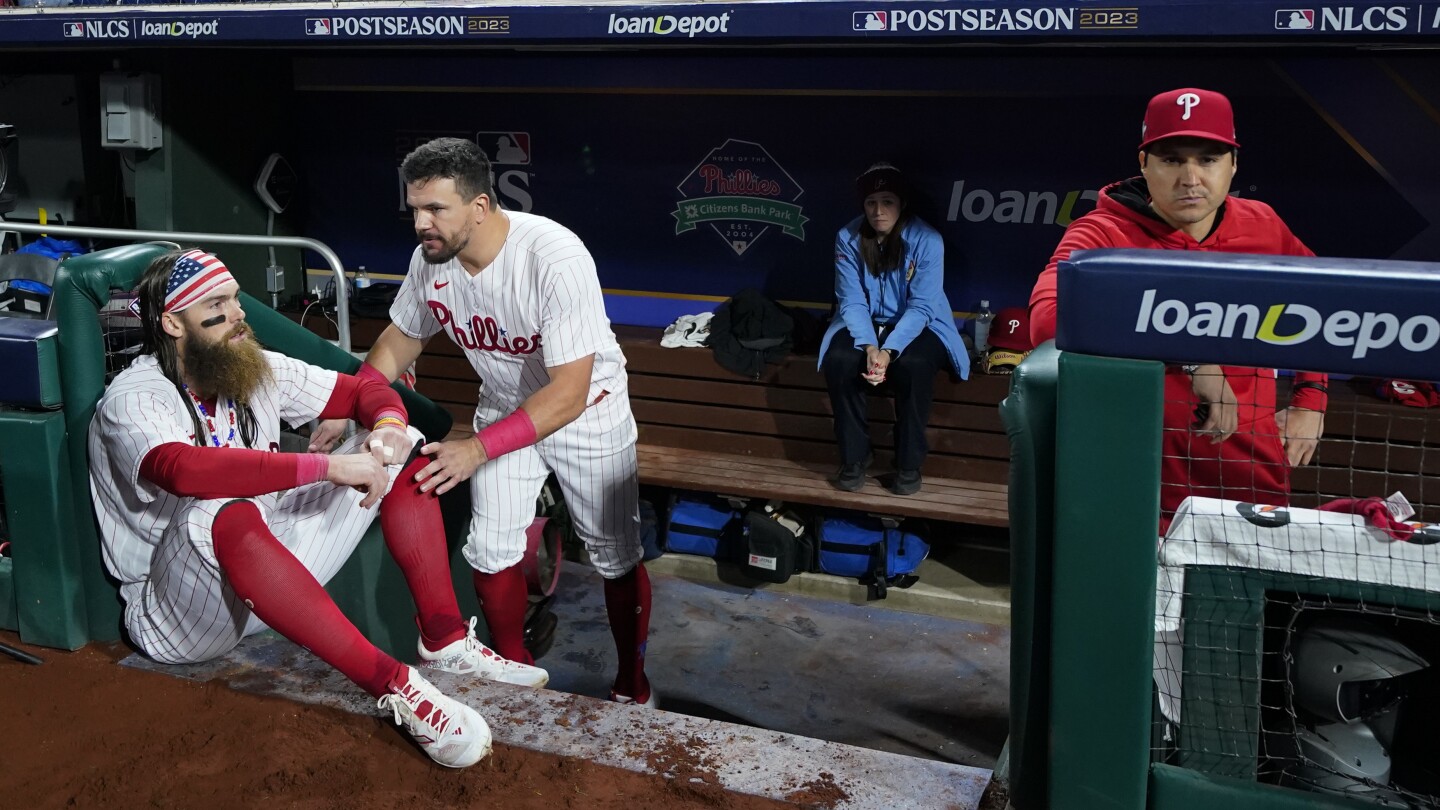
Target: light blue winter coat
(909,299)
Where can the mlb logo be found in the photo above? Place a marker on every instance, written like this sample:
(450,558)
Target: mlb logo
(505,148)
(870,20)
(1295,19)
(318,26)
(74,29)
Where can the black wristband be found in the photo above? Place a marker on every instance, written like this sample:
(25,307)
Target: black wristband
(1301,386)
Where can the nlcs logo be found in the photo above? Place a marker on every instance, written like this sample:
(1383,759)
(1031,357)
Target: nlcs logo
(870,20)
(74,29)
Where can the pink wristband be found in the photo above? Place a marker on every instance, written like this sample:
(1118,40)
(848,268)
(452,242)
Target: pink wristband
(369,372)
(511,433)
(311,467)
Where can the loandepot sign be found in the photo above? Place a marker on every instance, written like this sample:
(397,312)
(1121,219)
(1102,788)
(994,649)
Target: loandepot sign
(1287,324)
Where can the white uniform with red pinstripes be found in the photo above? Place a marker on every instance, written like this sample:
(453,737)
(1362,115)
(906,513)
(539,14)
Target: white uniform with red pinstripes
(178,608)
(537,305)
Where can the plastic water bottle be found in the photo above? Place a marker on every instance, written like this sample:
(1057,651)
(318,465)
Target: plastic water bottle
(982,328)
(362,278)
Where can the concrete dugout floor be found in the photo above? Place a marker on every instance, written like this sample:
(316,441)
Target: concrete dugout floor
(805,661)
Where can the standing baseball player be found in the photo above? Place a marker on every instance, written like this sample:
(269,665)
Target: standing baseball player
(519,294)
(215,534)
(1223,436)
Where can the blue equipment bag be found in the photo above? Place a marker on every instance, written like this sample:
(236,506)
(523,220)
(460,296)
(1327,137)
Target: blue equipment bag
(872,549)
(707,525)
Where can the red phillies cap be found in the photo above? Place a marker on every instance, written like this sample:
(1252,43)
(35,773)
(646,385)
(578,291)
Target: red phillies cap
(1011,330)
(1191,112)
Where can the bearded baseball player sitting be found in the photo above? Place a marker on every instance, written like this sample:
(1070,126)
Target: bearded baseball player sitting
(215,534)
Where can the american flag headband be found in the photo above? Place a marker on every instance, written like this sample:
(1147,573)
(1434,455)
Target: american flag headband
(195,275)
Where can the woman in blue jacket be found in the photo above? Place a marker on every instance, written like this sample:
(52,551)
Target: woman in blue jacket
(892,323)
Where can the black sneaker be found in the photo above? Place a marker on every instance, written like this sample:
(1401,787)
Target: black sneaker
(851,477)
(540,624)
(907,482)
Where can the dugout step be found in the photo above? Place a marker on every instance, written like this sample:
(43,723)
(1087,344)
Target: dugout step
(743,759)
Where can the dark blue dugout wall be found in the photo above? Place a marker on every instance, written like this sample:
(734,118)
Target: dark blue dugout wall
(1004,149)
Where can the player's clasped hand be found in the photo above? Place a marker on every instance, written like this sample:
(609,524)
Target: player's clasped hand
(390,445)
(455,461)
(361,471)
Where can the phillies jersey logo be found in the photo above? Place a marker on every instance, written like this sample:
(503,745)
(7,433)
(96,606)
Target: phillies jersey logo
(483,334)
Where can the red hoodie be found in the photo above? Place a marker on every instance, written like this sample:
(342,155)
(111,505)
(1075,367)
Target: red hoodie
(1251,464)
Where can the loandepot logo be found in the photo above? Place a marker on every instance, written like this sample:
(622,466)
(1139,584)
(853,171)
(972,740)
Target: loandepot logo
(1288,324)
(668,24)
(1028,207)
(179,28)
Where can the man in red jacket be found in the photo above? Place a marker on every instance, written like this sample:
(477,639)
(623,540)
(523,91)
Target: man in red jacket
(1223,437)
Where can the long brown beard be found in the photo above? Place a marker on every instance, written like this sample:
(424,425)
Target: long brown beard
(222,369)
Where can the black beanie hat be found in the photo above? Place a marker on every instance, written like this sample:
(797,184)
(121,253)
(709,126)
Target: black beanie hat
(881,177)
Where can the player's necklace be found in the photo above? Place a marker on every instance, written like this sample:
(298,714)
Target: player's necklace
(210,420)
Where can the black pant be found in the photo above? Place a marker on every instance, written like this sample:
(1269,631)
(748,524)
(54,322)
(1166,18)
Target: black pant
(911,377)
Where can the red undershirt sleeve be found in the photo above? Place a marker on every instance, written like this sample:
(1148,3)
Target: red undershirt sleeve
(364,400)
(228,472)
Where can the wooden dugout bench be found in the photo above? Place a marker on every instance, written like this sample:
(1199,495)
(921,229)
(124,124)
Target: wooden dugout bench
(705,428)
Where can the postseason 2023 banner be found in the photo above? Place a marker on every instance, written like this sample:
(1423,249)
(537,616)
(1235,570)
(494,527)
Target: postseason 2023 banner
(802,21)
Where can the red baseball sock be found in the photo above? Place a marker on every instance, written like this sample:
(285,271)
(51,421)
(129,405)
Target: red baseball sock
(503,599)
(415,535)
(286,596)
(627,603)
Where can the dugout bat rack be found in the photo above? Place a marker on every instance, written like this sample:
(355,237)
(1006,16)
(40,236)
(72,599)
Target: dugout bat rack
(798,22)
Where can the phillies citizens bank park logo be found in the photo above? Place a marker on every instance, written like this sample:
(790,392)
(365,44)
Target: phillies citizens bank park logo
(740,192)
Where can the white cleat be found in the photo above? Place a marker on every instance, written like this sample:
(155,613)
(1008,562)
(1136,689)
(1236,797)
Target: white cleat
(468,656)
(452,733)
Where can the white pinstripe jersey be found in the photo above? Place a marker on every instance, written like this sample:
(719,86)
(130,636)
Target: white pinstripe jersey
(537,305)
(142,410)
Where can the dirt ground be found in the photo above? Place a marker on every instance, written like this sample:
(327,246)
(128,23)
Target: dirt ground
(82,731)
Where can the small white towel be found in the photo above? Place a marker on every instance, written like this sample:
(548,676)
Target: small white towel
(687,330)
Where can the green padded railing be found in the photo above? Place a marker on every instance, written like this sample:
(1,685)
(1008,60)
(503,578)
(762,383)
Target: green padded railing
(1029,416)
(1107,503)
